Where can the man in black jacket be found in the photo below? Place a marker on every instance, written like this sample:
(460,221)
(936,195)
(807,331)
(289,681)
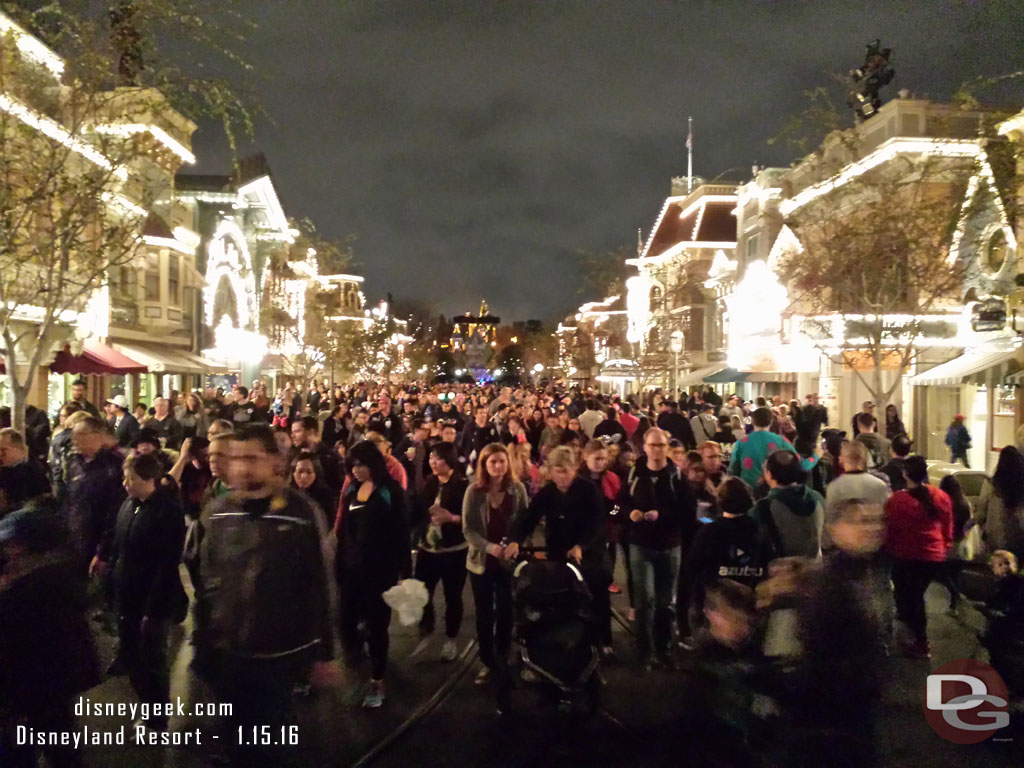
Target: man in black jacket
(78,396)
(263,616)
(125,425)
(412,452)
(22,478)
(95,488)
(663,518)
(386,422)
(478,434)
(166,427)
(306,438)
(676,424)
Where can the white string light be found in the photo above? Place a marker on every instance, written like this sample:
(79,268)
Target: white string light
(53,130)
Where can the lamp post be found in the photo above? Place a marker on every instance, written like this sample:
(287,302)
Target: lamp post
(676,345)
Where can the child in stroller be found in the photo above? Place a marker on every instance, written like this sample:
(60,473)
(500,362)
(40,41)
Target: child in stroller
(556,631)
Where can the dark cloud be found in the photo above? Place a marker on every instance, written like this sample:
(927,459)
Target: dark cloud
(472,145)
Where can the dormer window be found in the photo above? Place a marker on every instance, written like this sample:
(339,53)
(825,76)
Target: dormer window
(995,252)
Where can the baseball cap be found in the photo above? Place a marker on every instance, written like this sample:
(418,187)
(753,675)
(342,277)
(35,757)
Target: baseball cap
(120,401)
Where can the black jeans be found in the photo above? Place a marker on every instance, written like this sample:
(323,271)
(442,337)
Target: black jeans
(949,577)
(450,569)
(360,601)
(145,656)
(910,579)
(260,694)
(492,596)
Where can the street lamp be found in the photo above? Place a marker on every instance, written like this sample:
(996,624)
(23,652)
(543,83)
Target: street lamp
(676,345)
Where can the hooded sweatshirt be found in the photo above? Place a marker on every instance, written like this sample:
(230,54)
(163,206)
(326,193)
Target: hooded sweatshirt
(793,517)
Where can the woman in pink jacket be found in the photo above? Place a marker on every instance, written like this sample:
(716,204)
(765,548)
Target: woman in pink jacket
(919,531)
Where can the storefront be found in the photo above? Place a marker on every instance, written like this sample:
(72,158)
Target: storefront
(981,385)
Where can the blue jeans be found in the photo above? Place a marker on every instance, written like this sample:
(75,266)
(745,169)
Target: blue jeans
(655,572)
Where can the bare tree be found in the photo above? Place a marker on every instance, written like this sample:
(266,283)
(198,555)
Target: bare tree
(875,268)
(79,136)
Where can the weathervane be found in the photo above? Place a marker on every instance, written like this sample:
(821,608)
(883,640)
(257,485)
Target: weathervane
(868,80)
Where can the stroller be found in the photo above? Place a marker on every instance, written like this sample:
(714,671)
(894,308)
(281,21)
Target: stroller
(556,632)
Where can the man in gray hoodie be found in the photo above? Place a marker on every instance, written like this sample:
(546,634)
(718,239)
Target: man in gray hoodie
(792,514)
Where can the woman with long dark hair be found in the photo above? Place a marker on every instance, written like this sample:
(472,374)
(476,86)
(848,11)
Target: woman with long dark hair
(893,423)
(534,429)
(919,533)
(148,540)
(307,475)
(950,577)
(373,553)
(1000,511)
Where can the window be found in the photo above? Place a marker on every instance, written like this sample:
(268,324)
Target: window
(173,274)
(126,283)
(995,252)
(752,243)
(152,277)
(1004,417)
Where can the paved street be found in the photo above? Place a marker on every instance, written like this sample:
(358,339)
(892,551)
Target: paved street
(638,725)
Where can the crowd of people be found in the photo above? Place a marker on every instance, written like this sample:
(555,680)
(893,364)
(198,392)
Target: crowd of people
(748,533)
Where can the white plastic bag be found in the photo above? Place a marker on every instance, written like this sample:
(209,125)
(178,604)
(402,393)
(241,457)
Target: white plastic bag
(408,597)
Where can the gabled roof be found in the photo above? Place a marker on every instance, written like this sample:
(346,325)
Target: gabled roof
(1002,161)
(705,219)
(155,226)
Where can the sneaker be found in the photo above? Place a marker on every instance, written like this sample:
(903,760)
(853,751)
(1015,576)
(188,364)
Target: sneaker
(421,646)
(483,677)
(449,651)
(374,698)
(615,589)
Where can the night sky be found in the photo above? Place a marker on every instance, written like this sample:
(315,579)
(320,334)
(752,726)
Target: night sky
(472,146)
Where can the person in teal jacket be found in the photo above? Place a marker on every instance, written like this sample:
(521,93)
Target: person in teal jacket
(750,452)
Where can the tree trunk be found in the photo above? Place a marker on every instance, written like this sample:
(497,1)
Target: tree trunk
(19,392)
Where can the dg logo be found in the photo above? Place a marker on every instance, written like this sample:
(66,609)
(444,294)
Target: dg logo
(966,701)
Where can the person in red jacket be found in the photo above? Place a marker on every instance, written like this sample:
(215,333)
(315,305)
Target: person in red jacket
(919,532)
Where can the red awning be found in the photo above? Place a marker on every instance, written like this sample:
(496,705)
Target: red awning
(95,358)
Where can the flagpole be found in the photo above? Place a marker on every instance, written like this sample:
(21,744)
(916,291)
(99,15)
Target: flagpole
(689,157)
